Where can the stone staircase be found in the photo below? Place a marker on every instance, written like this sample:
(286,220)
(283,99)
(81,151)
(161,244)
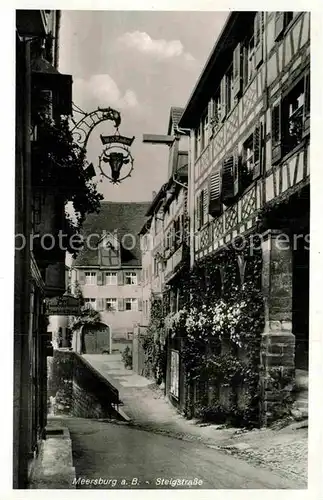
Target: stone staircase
(300,405)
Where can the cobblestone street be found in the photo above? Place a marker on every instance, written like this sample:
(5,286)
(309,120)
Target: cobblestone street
(281,450)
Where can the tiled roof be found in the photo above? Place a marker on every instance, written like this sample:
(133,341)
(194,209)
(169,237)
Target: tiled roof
(175,116)
(123,217)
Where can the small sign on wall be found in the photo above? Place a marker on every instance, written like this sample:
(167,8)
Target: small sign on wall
(67,305)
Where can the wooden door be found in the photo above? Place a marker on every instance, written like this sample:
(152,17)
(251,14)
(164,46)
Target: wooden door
(96,339)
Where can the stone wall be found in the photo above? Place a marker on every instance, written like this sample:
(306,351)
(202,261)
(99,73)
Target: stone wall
(76,389)
(277,356)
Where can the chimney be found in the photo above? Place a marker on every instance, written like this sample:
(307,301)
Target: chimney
(154,195)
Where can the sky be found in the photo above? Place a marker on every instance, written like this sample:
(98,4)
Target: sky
(140,63)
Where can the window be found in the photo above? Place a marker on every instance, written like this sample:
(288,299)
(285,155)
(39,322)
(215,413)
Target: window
(249,60)
(90,278)
(201,208)
(249,153)
(258,38)
(282,21)
(293,116)
(131,278)
(248,163)
(204,131)
(295,102)
(111,279)
(131,304)
(229,81)
(216,109)
(90,303)
(168,240)
(111,304)
(289,16)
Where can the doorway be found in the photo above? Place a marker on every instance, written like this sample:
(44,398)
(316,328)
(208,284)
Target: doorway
(96,339)
(301,280)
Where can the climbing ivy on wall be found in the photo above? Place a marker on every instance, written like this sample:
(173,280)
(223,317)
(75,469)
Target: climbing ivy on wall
(222,323)
(153,343)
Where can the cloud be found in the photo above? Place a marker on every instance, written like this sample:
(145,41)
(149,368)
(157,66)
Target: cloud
(161,49)
(101,90)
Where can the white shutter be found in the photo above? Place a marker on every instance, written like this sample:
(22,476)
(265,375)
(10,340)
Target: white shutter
(237,70)
(211,112)
(223,98)
(258,37)
(215,204)
(227,182)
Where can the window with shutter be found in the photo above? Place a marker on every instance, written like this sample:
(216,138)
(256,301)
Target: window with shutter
(90,278)
(236,173)
(228,181)
(215,204)
(276,152)
(230,100)
(258,37)
(216,109)
(211,112)
(111,304)
(223,98)
(204,130)
(131,278)
(257,148)
(237,70)
(120,304)
(139,304)
(248,163)
(279,24)
(293,116)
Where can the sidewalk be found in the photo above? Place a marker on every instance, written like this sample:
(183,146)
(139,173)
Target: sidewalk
(54,468)
(283,450)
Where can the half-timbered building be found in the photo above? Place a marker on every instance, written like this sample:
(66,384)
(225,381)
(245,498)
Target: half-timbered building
(249,116)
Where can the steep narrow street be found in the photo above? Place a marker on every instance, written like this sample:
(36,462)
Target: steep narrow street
(158,442)
(134,458)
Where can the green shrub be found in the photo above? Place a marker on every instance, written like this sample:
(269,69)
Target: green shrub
(127,357)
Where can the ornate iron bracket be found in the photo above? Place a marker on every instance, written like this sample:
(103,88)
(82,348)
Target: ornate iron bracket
(83,127)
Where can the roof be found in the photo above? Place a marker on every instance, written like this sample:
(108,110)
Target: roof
(145,228)
(120,218)
(233,31)
(174,117)
(159,196)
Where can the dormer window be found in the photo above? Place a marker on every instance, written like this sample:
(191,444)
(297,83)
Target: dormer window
(109,251)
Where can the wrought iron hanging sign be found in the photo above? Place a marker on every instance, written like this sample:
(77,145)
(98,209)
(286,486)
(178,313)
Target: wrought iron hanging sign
(117,154)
